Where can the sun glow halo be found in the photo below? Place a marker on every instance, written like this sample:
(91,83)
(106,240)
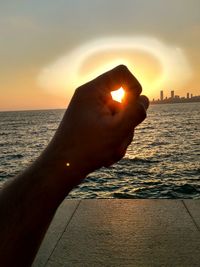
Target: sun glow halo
(118,95)
(154,63)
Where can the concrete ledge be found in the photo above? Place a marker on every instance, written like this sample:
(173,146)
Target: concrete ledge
(58,226)
(115,232)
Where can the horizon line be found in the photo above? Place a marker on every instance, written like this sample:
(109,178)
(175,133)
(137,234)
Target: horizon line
(22,110)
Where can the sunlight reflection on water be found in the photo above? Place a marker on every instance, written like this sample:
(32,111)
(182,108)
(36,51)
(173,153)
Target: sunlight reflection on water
(162,161)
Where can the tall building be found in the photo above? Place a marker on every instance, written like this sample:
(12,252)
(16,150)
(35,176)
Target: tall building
(188,95)
(172,94)
(161,95)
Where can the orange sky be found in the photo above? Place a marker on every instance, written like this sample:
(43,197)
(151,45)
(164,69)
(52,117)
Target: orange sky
(35,34)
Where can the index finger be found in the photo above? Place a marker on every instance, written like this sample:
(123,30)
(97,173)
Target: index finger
(118,77)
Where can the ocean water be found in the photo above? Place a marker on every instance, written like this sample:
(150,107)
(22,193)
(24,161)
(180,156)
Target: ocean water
(163,160)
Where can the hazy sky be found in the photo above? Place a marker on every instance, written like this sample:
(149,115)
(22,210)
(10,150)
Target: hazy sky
(36,36)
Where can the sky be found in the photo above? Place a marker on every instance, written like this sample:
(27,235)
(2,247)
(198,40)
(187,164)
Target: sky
(48,48)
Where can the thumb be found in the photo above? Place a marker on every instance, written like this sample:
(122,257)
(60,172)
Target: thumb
(134,113)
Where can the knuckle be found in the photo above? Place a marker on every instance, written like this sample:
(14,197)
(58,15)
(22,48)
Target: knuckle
(78,89)
(130,138)
(83,89)
(139,88)
(142,112)
(76,92)
(117,157)
(121,154)
(139,114)
(123,68)
(132,80)
(145,101)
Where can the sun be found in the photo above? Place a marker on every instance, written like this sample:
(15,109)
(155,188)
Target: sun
(118,95)
(155,64)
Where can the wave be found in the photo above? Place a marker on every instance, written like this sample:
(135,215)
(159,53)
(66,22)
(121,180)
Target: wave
(139,160)
(162,191)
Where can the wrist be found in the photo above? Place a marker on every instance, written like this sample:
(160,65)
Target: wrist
(63,169)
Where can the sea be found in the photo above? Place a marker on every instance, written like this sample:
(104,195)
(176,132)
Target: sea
(163,161)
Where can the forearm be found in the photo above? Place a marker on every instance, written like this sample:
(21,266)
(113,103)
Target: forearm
(93,133)
(28,204)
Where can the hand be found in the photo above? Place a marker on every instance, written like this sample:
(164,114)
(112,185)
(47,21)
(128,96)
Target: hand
(97,130)
(94,132)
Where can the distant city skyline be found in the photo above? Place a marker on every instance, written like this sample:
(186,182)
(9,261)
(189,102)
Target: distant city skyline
(171,94)
(173,98)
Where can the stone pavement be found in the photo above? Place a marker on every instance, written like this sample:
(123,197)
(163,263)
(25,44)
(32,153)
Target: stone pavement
(116,232)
